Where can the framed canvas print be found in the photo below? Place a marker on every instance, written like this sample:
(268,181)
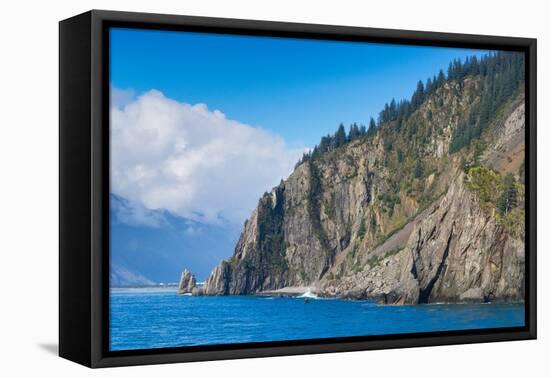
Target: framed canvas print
(234,188)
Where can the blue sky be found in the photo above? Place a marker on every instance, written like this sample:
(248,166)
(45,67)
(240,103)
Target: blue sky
(299,89)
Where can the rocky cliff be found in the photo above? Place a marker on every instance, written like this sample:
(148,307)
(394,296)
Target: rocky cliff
(454,251)
(400,214)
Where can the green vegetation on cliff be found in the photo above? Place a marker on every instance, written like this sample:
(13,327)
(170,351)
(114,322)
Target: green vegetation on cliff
(498,75)
(314,211)
(500,195)
(501,75)
(270,237)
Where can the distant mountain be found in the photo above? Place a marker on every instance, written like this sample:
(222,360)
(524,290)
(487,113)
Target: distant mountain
(154,246)
(119,276)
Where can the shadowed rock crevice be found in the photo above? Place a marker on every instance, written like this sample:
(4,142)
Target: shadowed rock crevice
(424,294)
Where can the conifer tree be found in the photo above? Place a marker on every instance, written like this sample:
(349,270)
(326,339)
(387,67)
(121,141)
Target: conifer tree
(429,87)
(418,96)
(340,136)
(440,79)
(372,127)
(353,132)
(508,199)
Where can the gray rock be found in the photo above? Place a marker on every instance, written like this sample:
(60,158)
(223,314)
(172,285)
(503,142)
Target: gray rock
(475,294)
(187,282)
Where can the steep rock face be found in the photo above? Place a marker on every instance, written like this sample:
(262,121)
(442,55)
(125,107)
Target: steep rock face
(456,252)
(259,259)
(506,151)
(298,229)
(388,217)
(460,253)
(187,282)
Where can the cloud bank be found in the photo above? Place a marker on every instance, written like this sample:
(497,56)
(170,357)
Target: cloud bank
(192,161)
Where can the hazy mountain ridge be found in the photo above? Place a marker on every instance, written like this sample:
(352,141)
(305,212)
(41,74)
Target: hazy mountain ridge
(120,276)
(152,246)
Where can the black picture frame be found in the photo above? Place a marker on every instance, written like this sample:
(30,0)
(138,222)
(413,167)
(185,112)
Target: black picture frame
(84,187)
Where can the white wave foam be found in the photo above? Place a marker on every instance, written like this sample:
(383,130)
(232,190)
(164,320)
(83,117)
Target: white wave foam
(308,294)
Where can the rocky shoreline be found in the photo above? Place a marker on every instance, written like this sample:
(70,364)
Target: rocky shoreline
(309,292)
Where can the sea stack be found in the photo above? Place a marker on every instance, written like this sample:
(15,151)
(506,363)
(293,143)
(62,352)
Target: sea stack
(187,282)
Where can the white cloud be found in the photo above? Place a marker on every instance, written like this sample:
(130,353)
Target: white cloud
(193,161)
